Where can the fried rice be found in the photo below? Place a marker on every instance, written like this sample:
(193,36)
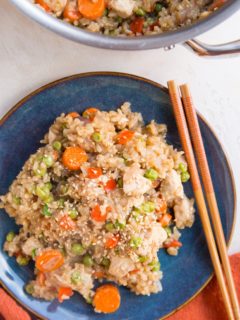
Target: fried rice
(103,212)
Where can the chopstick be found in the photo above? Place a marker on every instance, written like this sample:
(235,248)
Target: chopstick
(198,192)
(196,137)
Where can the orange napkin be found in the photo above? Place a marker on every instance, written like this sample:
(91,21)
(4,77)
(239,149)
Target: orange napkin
(208,305)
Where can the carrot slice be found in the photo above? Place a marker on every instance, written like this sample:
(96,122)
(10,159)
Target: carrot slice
(173,243)
(64,293)
(136,26)
(112,242)
(124,136)
(97,215)
(165,219)
(43,4)
(41,278)
(217,4)
(49,260)
(73,114)
(90,112)
(93,173)
(110,185)
(71,13)
(73,157)
(106,299)
(66,223)
(91,9)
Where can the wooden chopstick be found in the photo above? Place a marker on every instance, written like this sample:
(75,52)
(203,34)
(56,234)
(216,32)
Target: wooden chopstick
(198,145)
(198,192)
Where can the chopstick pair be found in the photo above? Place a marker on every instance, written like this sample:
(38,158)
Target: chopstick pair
(184,126)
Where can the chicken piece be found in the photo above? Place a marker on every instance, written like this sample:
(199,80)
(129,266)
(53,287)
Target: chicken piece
(134,183)
(148,5)
(124,8)
(120,266)
(171,187)
(184,212)
(153,239)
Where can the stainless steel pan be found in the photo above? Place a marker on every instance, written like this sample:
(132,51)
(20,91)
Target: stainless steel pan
(165,40)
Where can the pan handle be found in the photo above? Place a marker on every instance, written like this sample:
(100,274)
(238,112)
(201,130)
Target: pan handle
(203,49)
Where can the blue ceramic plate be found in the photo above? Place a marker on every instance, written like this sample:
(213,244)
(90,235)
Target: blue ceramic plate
(20,133)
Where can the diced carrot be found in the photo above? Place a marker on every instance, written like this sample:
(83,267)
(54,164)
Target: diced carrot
(71,12)
(74,157)
(97,215)
(66,223)
(98,274)
(173,243)
(107,299)
(41,279)
(43,4)
(136,26)
(93,173)
(90,112)
(49,260)
(112,242)
(165,219)
(110,185)
(64,293)
(91,9)
(134,271)
(162,206)
(124,136)
(73,114)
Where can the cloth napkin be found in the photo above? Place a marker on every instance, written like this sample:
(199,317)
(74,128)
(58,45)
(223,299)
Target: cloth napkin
(208,305)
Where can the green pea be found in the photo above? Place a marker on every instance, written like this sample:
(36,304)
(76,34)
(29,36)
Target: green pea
(148,206)
(120,183)
(158,7)
(29,288)
(119,19)
(106,11)
(182,167)
(48,185)
(151,174)
(119,225)
(142,259)
(140,12)
(185,176)
(106,262)
(73,214)
(136,213)
(76,277)
(10,236)
(48,160)
(42,192)
(96,136)
(168,230)
(57,145)
(40,172)
(155,265)
(109,226)
(16,200)
(87,260)
(34,253)
(135,242)
(22,260)
(45,211)
(61,202)
(77,249)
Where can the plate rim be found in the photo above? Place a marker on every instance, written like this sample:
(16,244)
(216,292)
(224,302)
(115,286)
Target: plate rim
(51,84)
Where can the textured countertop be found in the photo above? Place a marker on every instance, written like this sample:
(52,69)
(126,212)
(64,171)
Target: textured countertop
(31,56)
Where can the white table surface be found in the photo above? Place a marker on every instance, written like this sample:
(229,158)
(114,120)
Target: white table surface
(31,56)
